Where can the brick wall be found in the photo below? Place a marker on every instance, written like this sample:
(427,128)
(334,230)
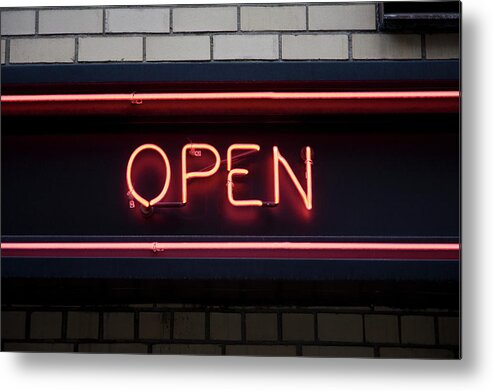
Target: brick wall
(274,331)
(273,32)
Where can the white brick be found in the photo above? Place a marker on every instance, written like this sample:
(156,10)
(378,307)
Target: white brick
(2,48)
(342,17)
(42,50)
(246,47)
(314,47)
(111,49)
(386,46)
(71,21)
(137,20)
(205,19)
(273,18)
(178,48)
(442,46)
(417,329)
(18,22)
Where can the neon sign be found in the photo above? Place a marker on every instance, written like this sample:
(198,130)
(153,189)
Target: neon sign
(194,149)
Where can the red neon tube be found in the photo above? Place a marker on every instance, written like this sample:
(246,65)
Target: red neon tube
(304,250)
(233,103)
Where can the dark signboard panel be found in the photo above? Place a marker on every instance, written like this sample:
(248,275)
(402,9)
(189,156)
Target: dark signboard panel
(374,177)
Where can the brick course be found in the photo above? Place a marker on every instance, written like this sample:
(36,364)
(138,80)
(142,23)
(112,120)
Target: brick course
(238,330)
(213,33)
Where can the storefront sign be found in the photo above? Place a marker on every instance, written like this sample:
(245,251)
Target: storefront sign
(195,151)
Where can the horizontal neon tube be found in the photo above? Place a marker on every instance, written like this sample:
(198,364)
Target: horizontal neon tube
(143,97)
(239,249)
(231,245)
(233,103)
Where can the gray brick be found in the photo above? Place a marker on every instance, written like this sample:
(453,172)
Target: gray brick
(186,349)
(246,47)
(82,325)
(386,46)
(189,325)
(415,353)
(337,351)
(260,350)
(284,18)
(38,347)
(46,325)
(13,324)
(3,45)
(42,50)
(315,47)
(71,21)
(131,348)
(342,17)
(442,46)
(118,325)
(225,326)
(178,48)
(110,49)
(382,328)
(416,329)
(261,327)
(137,20)
(449,331)
(298,327)
(340,327)
(17,22)
(154,325)
(204,19)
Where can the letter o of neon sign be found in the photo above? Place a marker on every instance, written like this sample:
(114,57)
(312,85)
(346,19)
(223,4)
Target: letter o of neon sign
(131,189)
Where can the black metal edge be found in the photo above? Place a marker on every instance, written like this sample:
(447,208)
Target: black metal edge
(398,294)
(231,72)
(244,269)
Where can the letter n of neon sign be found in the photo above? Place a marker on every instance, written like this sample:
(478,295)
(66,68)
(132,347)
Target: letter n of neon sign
(305,195)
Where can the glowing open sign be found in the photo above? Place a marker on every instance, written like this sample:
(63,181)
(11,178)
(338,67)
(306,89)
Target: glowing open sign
(306,195)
